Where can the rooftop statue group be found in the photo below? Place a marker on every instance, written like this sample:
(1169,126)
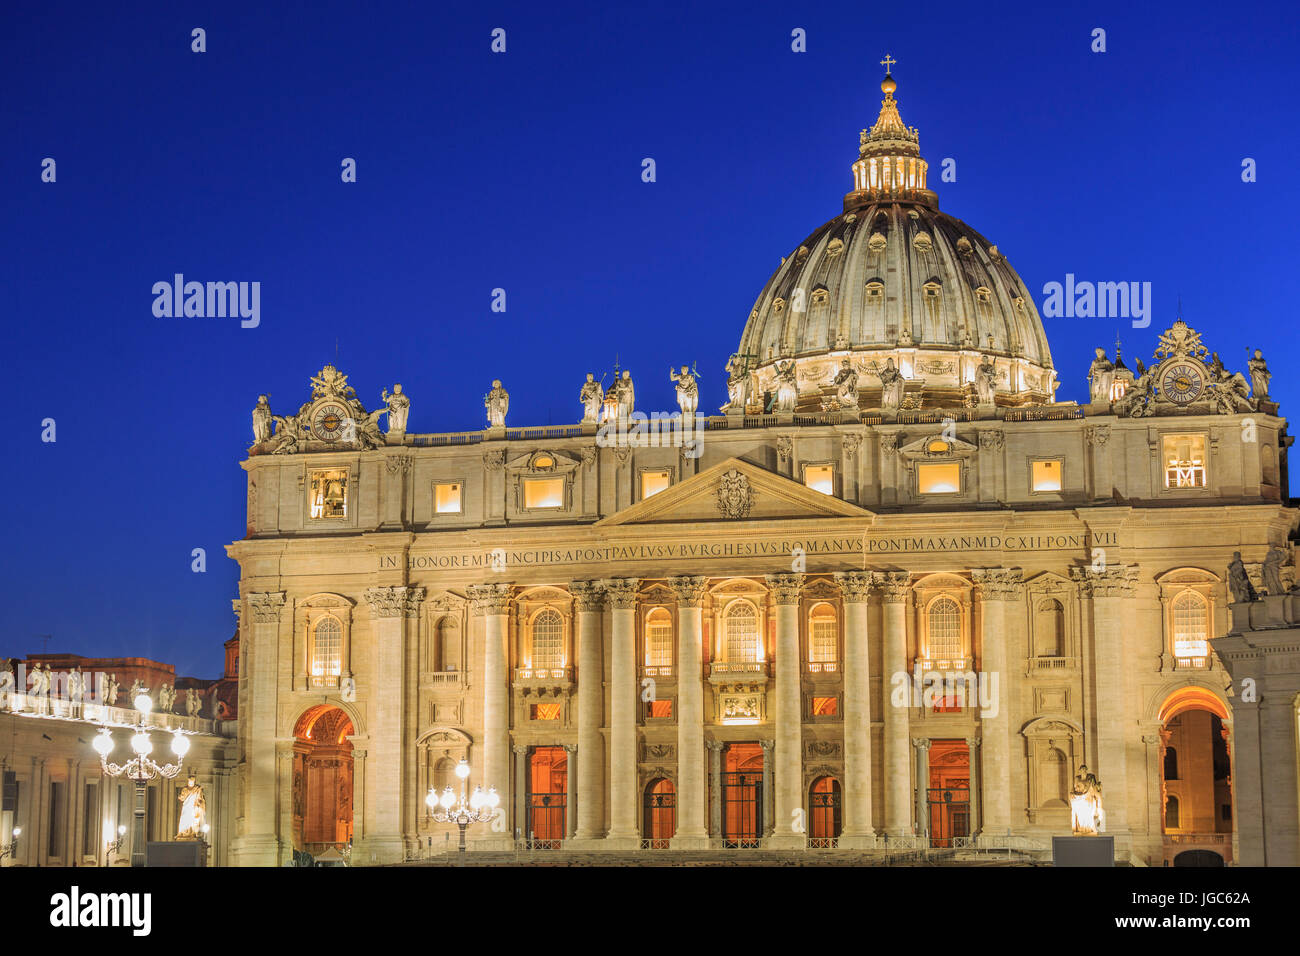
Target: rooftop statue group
(1243,589)
(319,419)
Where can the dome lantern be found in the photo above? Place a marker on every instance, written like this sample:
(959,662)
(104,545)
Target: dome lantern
(889,162)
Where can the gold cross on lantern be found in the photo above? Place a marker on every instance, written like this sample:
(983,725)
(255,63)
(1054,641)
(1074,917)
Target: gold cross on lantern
(887,62)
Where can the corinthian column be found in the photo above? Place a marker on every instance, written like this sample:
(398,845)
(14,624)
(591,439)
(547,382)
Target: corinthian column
(998,587)
(785,590)
(590,602)
(492,603)
(623,833)
(390,608)
(858,830)
(691,787)
(258,843)
(898,778)
(1111,588)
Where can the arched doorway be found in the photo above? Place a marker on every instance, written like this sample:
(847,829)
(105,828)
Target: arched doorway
(322,780)
(1196,786)
(659,818)
(824,812)
(742,795)
(948,795)
(548,777)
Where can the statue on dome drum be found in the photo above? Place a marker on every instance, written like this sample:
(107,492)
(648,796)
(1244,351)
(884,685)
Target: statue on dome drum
(986,381)
(787,387)
(738,383)
(497,403)
(261,420)
(1239,581)
(846,385)
(399,406)
(688,391)
(592,397)
(1087,818)
(1101,375)
(1259,375)
(891,386)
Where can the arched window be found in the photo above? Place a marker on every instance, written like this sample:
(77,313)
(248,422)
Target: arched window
(1171,763)
(741,630)
(326,652)
(659,639)
(548,640)
(944,639)
(1172,813)
(1049,629)
(822,631)
(1191,625)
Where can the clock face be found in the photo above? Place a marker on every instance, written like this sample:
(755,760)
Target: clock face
(1182,383)
(329,422)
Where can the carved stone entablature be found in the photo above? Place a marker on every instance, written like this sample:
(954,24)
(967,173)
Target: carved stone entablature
(816,771)
(266,606)
(489,599)
(823,749)
(395,601)
(689,591)
(735,496)
(620,593)
(658,753)
(893,586)
(588,596)
(1097,435)
(820,589)
(999,584)
(447,602)
(785,588)
(741,702)
(1114,580)
(657,772)
(398,464)
(854,585)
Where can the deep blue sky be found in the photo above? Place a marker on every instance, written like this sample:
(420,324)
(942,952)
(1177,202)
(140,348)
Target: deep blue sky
(522,171)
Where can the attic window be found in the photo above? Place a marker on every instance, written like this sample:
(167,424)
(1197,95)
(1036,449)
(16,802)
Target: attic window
(542,462)
(983,294)
(939,478)
(937,447)
(543,492)
(820,478)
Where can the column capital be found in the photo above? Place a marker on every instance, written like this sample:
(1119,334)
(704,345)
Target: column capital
(1107,581)
(620,593)
(489,598)
(714,745)
(785,587)
(999,584)
(399,601)
(519,749)
(854,585)
(893,585)
(570,749)
(921,743)
(266,606)
(973,743)
(768,746)
(588,595)
(690,591)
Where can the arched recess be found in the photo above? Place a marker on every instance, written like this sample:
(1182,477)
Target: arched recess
(944,626)
(1193,763)
(1055,749)
(545,615)
(322,786)
(1190,605)
(438,751)
(724,596)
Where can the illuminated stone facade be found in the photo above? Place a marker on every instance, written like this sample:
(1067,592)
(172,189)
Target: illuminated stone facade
(748,656)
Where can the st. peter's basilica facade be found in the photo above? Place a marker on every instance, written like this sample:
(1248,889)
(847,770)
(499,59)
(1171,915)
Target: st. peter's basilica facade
(894,596)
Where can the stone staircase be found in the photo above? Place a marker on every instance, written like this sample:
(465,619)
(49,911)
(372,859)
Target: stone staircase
(747,857)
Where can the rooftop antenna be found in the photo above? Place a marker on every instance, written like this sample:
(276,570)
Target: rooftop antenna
(45,642)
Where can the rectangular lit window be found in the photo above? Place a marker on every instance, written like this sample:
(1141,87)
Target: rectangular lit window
(1045,475)
(1184,460)
(820,478)
(446,498)
(545,711)
(543,492)
(328,491)
(653,482)
(825,706)
(938,478)
(660,709)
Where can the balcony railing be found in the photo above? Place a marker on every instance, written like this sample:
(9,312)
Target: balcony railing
(823,667)
(445,677)
(1051,663)
(1191,663)
(543,673)
(925,665)
(657,670)
(1213,839)
(740,668)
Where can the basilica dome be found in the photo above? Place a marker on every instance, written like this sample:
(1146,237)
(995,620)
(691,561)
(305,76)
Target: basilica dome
(893,277)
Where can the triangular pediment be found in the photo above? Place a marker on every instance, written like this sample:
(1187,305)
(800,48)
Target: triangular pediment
(735,490)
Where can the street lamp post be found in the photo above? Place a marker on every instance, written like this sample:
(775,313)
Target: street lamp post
(140,768)
(11,848)
(478,809)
